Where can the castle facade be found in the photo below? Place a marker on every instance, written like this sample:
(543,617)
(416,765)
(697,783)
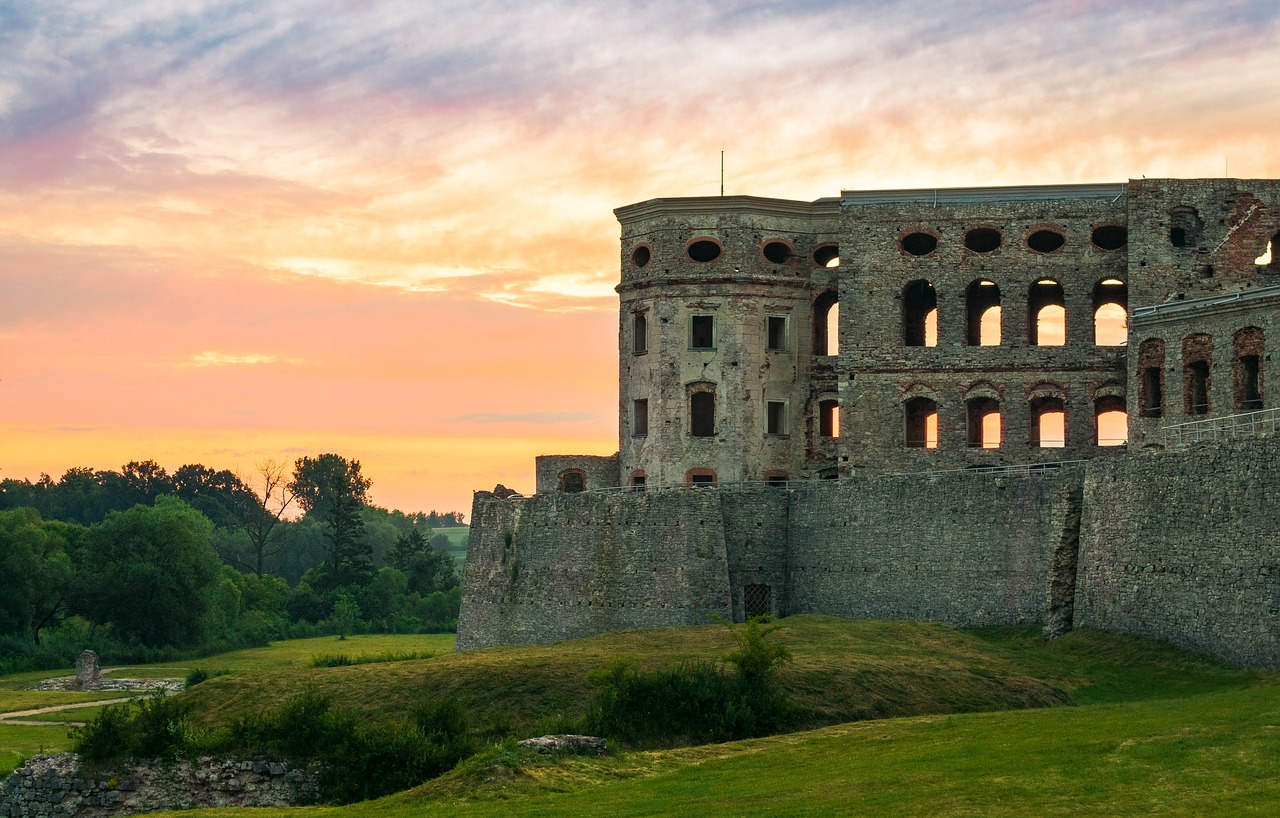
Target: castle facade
(860,363)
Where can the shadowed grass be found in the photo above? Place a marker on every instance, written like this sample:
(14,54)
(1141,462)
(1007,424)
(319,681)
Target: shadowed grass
(19,742)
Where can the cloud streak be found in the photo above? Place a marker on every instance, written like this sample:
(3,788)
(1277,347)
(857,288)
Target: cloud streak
(407,207)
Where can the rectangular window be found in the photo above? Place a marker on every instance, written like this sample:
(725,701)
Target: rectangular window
(702,414)
(1197,381)
(639,335)
(777,417)
(640,417)
(777,340)
(1153,392)
(702,481)
(829,418)
(637,482)
(702,332)
(1250,389)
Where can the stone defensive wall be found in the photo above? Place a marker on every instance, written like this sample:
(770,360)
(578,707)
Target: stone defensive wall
(1179,545)
(966,548)
(1185,545)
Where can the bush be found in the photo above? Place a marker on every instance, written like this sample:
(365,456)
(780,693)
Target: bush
(158,728)
(696,702)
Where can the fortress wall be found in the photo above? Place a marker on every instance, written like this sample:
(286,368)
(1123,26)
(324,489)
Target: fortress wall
(756,534)
(1183,545)
(968,549)
(559,566)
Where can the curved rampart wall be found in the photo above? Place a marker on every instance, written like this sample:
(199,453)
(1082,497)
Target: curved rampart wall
(1185,546)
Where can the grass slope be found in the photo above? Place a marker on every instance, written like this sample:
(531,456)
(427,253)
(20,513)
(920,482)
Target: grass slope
(842,671)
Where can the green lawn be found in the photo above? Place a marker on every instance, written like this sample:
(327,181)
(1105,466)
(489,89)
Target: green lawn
(1156,730)
(19,742)
(1204,755)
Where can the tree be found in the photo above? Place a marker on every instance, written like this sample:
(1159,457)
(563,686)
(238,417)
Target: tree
(331,488)
(148,573)
(346,616)
(262,508)
(218,494)
(37,567)
(427,569)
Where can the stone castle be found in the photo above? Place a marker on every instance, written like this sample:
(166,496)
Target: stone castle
(1040,404)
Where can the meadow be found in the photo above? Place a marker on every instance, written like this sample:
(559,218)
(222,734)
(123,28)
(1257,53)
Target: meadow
(889,718)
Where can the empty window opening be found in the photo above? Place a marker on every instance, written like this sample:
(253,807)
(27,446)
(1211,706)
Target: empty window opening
(1185,225)
(573,481)
(702,332)
(1197,379)
(829,418)
(1111,421)
(776,412)
(1249,348)
(1152,387)
(922,423)
(826,320)
(640,256)
(1110,313)
(704,250)
(639,335)
(1197,353)
(829,474)
(1048,423)
(777,252)
(777,334)
(702,414)
(982,312)
(637,480)
(1250,384)
(757,600)
(701,478)
(919,311)
(1046,241)
(1110,237)
(1047,314)
(776,479)
(983,423)
(640,417)
(1270,257)
(828,255)
(1151,384)
(919,244)
(982,240)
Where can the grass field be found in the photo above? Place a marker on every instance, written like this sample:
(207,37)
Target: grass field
(1155,730)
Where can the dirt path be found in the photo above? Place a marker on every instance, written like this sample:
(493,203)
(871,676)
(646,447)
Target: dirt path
(17,716)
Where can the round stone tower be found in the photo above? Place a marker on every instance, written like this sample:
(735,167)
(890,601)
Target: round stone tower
(718,376)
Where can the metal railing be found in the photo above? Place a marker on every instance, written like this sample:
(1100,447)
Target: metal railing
(1228,427)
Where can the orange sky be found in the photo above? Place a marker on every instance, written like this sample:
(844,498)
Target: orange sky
(384,229)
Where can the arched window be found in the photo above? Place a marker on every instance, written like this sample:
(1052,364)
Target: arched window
(983,422)
(1197,356)
(919,314)
(573,481)
(982,314)
(826,321)
(1249,347)
(1110,421)
(1185,225)
(1048,422)
(700,478)
(1046,314)
(1110,313)
(1151,378)
(921,416)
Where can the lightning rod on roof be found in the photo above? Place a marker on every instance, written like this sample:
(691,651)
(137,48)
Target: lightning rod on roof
(721,172)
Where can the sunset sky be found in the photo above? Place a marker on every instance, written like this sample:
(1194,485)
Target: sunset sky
(232,230)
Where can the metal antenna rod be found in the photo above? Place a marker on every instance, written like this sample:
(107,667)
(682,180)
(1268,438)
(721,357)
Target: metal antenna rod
(722,172)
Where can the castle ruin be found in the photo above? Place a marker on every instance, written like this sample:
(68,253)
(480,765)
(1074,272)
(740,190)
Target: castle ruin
(1041,404)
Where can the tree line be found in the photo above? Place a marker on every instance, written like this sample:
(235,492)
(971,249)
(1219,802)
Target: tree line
(142,564)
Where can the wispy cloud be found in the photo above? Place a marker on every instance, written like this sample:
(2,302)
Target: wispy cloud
(210,358)
(540,418)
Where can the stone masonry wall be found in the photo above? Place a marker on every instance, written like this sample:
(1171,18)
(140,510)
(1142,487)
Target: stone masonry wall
(1183,545)
(559,566)
(56,785)
(968,549)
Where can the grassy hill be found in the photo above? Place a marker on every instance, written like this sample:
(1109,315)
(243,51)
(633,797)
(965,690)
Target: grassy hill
(1156,730)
